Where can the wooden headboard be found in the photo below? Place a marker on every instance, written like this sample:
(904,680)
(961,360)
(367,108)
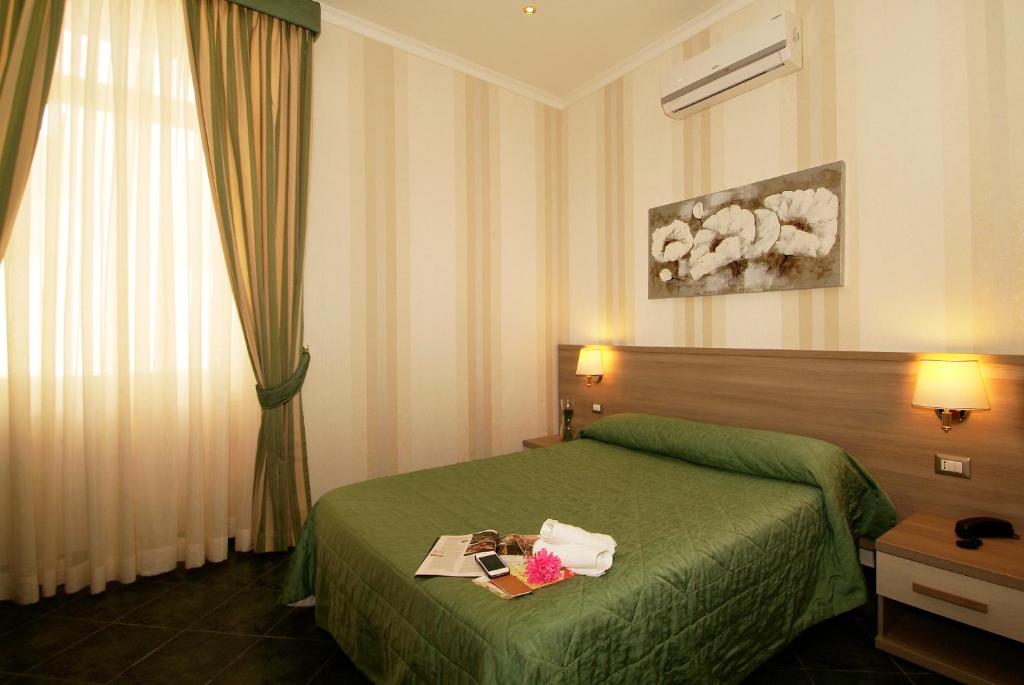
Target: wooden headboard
(858,400)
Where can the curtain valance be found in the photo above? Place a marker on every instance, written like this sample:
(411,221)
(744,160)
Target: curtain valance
(304,13)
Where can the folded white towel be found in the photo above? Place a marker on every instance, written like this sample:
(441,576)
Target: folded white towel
(553,531)
(582,552)
(580,559)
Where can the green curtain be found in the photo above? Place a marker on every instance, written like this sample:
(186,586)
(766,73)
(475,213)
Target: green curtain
(29,37)
(253,76)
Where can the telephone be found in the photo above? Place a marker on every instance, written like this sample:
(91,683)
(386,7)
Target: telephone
(971,530)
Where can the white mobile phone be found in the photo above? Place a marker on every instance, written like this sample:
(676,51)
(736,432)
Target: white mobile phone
(492,564)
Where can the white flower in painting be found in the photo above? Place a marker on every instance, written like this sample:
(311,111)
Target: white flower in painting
(757,277)
(814,212)
(766,232)
(727,251)
(675,250)
(670,243)
(702,242)
(665,275)
(732,220)
(724,238)
(793,241)
(698,210)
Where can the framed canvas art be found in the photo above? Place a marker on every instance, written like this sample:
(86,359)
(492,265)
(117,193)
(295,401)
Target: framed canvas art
(784,233)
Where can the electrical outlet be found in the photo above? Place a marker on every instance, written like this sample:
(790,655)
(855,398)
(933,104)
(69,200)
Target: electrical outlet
(596,408)
(951,465)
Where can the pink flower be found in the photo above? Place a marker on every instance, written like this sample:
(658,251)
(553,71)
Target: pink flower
(543,567)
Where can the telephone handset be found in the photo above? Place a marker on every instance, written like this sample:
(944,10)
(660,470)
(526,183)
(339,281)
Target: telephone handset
(972,530)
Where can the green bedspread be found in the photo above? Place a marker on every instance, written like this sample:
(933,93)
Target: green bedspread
(730,543)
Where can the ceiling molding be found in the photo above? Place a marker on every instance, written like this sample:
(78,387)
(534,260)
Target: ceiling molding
(708,17)
(333,15)
(712,15)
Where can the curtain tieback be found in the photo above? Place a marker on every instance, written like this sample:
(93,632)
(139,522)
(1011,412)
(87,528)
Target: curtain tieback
(277,395)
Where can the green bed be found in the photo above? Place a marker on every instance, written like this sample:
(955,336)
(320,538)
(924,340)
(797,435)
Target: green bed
(730,543)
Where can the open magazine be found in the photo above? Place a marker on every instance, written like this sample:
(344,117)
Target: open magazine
(452,555)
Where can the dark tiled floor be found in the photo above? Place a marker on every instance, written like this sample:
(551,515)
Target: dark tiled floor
(222,624)
(841,651)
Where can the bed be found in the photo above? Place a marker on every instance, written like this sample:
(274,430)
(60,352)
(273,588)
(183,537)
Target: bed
(730,543)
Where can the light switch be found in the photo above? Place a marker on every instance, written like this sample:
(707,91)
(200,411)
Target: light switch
(596,408)
(951,465)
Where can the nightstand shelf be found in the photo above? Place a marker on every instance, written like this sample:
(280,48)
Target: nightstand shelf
(945,646)
(955,611)
(544,441)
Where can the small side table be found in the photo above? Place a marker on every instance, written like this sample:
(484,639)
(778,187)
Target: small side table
(544,441)
(956,611)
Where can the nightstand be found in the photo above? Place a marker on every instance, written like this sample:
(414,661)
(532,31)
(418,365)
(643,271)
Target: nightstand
(546,441)
(956,611)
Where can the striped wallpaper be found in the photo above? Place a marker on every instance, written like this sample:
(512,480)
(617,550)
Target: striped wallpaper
(924,99)
(459,231)
(437,231)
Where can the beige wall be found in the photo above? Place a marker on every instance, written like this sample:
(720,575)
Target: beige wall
(924,99)
(458,231)
(430,285)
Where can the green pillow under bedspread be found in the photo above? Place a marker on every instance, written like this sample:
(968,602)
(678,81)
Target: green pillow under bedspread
(854,503)
(715,570)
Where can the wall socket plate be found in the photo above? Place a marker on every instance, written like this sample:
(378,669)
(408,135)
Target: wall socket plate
(952,465)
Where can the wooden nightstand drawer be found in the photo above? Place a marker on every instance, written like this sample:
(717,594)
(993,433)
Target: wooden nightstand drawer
(975,602)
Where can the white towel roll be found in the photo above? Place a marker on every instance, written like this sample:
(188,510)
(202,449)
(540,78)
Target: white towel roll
(553,531)
(580,559)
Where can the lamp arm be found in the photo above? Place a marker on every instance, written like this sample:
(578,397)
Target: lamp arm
(947,416)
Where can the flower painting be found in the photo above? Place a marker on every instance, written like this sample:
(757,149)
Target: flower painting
(781,234)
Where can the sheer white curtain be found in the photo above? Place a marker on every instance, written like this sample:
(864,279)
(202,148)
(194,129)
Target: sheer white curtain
(128,417)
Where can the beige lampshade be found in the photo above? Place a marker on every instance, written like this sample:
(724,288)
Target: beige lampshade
(950,385)
(590,363)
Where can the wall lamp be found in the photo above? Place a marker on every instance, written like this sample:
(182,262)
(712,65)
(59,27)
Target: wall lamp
(952,388)
(591,364)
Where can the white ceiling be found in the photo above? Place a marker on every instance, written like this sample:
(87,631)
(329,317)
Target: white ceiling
(566,45)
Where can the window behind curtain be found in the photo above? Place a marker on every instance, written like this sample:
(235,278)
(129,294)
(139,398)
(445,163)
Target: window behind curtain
(128,417)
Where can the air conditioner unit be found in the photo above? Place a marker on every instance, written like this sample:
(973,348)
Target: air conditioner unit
(744,61)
